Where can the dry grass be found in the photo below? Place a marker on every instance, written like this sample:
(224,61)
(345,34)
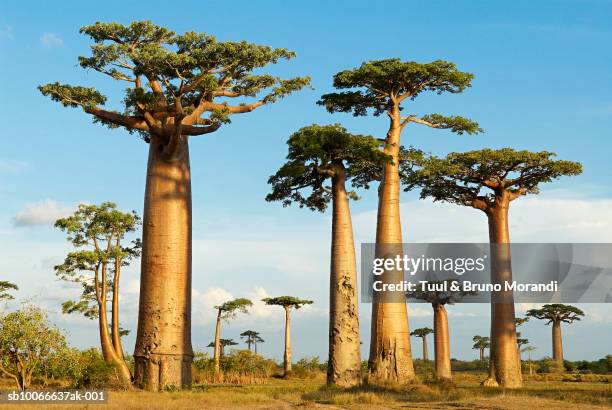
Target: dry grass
(464,393)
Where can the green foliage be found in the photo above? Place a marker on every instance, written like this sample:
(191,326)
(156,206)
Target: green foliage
(189,78)
(475,178)
(481,342)
(237,367)
(421,332)
(287,302)
(307,368)
(5,288)
(26,340)
(319,152)
(92,371)
(556,313)
(251,337)
(231,308)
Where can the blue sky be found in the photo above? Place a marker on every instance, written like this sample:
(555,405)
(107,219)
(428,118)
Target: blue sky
(543,82)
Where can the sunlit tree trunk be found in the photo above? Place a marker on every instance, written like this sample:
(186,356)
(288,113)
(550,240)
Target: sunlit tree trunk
(390,355)
(287,354)
(503,364)
(482,354)
(108,350)
(163,353)
(557,342)
(115,308)
(425,353)
(344,364)
(441,342)
(217,353)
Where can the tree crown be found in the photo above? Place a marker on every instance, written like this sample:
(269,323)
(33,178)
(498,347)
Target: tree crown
(421,332)
(231,308)
(287,301)
(189,77)
(251,336)
(319,152)
(442,297)
(556,313)
(481,342)
(382,85)
(481,178)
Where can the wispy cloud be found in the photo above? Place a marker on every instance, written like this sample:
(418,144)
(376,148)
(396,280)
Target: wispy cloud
(50,40)
(6,33)
(41,213)
(13,166)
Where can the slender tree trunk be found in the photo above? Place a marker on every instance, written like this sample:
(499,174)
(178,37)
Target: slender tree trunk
(163,352)
(425,353)
(115,308)
(108,350)
(530,365)
(503,364)
(344,364)
(557,342)
(481,354)
(390,354)
(287,354)
(441,342)
(217,353)
(255,348)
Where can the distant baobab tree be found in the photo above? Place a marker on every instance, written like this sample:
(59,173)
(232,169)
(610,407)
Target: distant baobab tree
(489,180)
(222,344)
(481,343)
(519,321)
(227,311)
(386,87)
(178,86)
(5,288)
(251,338)
(556,314)
(422,332)
(529,349)
(319,153)
(97,233)
(287,303)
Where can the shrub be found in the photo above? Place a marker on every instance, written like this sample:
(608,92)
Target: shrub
(238,367)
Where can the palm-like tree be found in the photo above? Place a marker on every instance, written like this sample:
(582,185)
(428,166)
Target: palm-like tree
(251,338)
(422,332)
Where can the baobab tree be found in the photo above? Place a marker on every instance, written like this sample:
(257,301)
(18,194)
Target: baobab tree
(5,288)
(227,311)
(438,293)
(319,153)
(179,86)
(556,314)
(481,343)
(422,332)
(519,321)
(489,180)
(529,349)
(288,303)
(97,232)
(251,338)
(222,344)
(385,87)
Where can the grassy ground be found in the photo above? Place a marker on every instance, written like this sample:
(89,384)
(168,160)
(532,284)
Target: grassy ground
(465,393)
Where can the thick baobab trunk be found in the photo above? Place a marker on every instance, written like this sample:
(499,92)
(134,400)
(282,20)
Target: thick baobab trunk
(344,364)
(503,369)
(441,343)
(287,354)
(557,343)
(217,354)
(425,353)
(163,353)
(390,354)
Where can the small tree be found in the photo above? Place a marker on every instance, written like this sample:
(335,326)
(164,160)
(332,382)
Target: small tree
(251,338)
(422,332)
(97,232)
(556,314)
(489,180)
(387,87)
(5,288)
(519,321)
(227,311)
(26,340)
(222,344)
(529,349)
(288,303)
(318,154)
(439,297)
(481,343)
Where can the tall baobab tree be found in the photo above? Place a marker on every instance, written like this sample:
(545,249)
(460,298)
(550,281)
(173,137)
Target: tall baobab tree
(422,332)
(556,314)
(97,232)
(287,303)
(227,311)
(489,180)
(481,343)
(439,299)
(317,154)
(222,343)
(5,288)
(179,86)
(251,338)
(385,87)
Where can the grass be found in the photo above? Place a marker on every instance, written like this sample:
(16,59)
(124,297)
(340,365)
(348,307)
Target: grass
(553,392)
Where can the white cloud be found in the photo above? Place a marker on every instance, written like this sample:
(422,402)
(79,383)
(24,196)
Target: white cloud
(41,213)
(6,33)
(51,40)
(13,166)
